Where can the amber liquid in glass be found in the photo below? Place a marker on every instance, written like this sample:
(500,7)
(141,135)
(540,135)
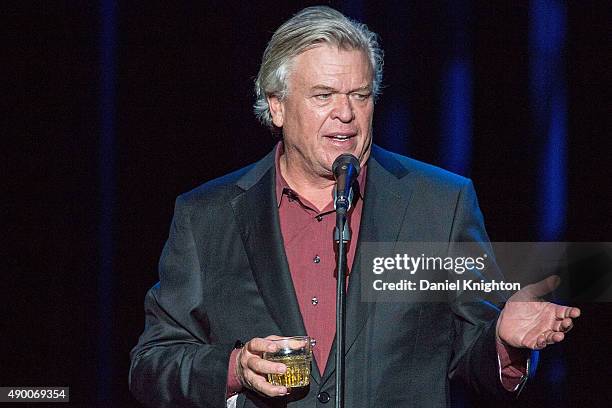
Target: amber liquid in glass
(297,374)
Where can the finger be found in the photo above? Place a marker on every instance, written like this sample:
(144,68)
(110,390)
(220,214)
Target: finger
(562,312)
(258,383)
(296,344)
(565,325)
(261,366)
(573,312)
(540,342)
(273,337)
(258,345)
(554,337)
(543,287)
(270,390)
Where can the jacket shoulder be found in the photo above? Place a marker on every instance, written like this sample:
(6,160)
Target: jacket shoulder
(417,171)
(218,190)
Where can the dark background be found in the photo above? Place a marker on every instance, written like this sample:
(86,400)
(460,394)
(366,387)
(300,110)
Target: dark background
(99,147)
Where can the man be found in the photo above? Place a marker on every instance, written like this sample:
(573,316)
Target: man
(250,256)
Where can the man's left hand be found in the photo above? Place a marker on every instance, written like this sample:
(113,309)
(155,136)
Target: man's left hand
(529,322)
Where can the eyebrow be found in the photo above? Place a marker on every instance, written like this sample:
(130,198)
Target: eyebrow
(324,88)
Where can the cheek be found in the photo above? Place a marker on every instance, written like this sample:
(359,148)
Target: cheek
(320,115)
(309,116)
(313,120)
(365,119)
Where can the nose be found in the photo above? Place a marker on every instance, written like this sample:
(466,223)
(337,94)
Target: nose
(343,109)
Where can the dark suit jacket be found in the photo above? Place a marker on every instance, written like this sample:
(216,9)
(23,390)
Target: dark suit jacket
(224,277)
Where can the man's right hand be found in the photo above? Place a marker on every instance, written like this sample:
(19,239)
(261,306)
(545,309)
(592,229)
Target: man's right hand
(252,369)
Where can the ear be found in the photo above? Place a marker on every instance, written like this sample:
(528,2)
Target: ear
(277,110)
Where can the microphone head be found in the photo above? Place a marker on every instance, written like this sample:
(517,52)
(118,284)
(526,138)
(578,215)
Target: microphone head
(343,161)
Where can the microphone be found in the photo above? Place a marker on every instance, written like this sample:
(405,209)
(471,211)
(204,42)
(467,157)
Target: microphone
(345,169)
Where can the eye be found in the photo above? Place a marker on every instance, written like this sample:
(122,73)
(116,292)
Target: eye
(323,96)
(361,96)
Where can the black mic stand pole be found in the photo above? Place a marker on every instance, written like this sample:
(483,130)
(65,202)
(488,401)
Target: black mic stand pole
(342,237)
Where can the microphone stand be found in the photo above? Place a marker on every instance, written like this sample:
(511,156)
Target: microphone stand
(342,236)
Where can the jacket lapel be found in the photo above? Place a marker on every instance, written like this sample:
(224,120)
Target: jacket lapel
(385,204)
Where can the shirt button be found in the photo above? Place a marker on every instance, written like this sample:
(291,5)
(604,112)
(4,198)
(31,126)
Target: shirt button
(316,259)
(314,300)
(323,397)
(319,218)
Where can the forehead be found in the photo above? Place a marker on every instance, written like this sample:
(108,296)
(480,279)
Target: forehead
(331,66)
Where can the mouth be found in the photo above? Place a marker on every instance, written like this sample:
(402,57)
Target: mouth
(340,137)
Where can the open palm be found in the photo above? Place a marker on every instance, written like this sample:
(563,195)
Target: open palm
(529,322)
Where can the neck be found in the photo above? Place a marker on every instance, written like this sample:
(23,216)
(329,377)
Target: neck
(314,188)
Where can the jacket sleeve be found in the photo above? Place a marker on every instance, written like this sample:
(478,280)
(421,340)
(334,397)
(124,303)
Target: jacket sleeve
(475,361)
(176,363)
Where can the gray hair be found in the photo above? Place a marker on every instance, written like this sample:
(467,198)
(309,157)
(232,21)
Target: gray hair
(305,30)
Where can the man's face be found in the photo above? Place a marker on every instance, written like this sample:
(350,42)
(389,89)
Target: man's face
(328,110)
